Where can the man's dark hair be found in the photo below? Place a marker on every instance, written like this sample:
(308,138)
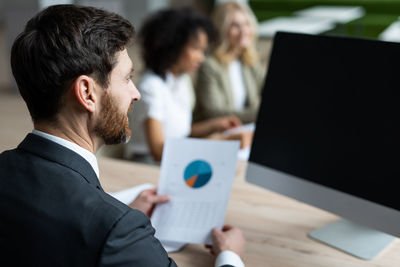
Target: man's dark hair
(165,34)
(58,45)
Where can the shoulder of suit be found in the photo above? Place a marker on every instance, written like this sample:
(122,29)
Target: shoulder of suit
(110,200)
(87,199)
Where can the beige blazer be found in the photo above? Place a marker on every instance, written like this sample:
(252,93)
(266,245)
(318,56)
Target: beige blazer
(214,96)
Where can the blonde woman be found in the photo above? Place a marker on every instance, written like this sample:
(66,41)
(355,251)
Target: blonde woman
(229,81)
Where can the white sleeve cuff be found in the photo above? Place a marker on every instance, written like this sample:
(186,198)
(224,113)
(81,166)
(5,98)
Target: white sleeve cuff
(228,257)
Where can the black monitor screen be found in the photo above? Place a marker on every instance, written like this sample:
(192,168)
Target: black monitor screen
(330,114)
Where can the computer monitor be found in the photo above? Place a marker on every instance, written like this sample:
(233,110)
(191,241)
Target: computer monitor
(328,134)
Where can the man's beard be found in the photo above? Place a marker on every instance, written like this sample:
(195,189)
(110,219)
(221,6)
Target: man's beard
(112,125)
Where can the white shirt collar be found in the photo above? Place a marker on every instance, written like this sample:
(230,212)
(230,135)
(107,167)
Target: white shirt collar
(86,154)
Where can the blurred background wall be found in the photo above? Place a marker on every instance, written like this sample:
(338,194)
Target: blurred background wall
(15,13)
(378,16)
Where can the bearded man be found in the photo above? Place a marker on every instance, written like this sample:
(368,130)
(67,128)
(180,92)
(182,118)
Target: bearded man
(74,73)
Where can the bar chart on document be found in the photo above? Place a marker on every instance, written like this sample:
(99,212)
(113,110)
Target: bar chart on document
(198,175)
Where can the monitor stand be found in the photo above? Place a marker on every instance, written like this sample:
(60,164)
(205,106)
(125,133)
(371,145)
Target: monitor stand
(357,240)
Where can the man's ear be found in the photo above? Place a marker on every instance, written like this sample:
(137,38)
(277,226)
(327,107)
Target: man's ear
(85,91)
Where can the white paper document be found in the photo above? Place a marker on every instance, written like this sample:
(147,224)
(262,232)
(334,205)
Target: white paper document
(198,175)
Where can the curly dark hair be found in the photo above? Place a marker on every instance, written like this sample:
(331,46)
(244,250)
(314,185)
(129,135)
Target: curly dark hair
(58,45)
(165,34)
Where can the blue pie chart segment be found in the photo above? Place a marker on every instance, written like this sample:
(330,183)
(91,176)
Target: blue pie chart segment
(197,173)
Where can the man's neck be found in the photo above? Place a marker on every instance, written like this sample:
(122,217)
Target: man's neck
(73,132)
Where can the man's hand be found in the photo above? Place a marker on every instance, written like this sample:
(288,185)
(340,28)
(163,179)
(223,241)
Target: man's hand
(230,238)
(146,201)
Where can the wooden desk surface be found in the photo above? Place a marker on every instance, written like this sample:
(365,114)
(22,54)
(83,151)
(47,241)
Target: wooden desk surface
(275,227)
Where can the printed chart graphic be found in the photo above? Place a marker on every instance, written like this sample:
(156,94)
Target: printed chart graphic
(197,173)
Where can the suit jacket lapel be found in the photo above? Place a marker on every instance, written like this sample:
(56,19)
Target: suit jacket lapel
(54,152)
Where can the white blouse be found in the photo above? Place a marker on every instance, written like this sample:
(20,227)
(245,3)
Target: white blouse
(169,101)
(238,85)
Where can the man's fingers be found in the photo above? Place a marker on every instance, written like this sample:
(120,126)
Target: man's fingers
(152,197)
(159,199)
(227,227)
(216,231)
(148,192)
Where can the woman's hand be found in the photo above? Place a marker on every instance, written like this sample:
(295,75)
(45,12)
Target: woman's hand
(221,124)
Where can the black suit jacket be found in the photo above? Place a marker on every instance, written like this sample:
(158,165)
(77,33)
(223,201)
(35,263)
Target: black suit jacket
(53,212)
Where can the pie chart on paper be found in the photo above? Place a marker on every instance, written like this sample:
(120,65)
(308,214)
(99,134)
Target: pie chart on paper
(197,173)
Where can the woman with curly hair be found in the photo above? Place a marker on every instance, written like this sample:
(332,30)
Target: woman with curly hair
(173,43)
